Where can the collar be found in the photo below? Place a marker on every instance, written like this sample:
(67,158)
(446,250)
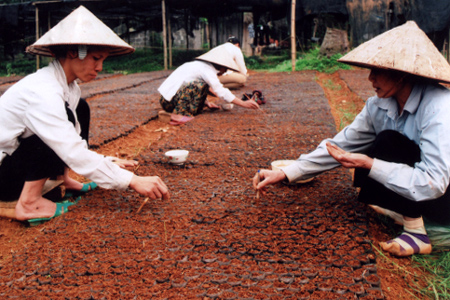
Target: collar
(411,105)
(72,92)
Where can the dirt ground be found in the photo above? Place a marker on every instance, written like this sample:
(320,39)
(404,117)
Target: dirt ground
(213,239)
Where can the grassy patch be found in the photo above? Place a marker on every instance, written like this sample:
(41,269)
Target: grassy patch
(438,266)
(152,59)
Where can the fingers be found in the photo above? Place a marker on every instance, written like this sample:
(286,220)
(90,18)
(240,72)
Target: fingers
(124,163)
(256,180)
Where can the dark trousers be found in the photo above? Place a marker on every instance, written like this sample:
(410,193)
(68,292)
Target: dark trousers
(392,146)
(34,160)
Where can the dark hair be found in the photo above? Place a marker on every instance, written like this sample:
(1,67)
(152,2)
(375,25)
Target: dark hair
(217,66)
(60,51)
(233,40)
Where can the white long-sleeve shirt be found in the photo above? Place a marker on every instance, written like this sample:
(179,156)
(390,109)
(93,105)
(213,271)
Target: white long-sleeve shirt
(36,105)
(191,71)
(237,56)
(424,120)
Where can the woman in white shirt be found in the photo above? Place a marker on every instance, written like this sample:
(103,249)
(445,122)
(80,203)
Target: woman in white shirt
(184,92)
(41,122)
(232,79)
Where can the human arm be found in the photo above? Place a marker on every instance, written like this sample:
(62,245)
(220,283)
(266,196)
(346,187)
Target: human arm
(247,104)
(239,59)
(355,138)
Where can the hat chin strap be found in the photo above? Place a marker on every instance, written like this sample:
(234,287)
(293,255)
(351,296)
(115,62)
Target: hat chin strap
(82,51)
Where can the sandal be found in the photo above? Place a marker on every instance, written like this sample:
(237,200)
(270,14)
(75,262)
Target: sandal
(61,208)
(86,188)
(408,244)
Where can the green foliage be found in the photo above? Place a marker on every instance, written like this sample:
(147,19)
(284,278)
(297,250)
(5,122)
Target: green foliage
(312,60)
(266,62)
(18,67)
(438,265)
(146,60)
(142,60)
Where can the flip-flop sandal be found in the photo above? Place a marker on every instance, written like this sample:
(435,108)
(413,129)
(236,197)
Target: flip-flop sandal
(408,244)
(61,208)
(87,187)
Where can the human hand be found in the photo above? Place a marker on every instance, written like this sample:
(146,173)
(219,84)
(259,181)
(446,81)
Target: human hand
(247,104)
(211,105)
(124,163)
(150,186)
(266,177)
(349,160)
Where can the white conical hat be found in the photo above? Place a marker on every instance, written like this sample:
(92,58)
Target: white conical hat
(405,48)
(81,27)
(220,56)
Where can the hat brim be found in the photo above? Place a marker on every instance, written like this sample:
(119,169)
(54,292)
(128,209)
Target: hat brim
(405,48)
(219,56)
(80,27)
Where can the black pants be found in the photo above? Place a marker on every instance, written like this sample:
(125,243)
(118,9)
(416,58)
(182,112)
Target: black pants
(392,146)
(34,160)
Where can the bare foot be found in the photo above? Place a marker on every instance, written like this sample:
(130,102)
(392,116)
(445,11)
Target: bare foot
(34,208)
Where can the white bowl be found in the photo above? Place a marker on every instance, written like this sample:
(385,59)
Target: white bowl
(227,106)
(177,157)
(279,164)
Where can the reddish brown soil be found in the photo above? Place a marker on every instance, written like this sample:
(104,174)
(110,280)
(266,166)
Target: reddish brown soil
(213,239)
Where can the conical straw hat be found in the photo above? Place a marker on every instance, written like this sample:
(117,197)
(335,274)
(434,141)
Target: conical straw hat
(405,48)
(220,56)
(81,27)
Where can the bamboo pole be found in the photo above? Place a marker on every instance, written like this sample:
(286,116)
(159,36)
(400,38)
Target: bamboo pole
(169,33)
(293,42)
(163,7)
(37,34)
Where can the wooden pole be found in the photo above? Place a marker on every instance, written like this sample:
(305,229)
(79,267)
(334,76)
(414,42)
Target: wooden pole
(163,6)
(37,34)
(293,41)
(169,32)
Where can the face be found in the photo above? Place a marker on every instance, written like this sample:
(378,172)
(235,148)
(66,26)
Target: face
(387,83)
(88,68)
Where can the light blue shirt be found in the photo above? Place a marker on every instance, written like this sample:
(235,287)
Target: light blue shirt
(425,120)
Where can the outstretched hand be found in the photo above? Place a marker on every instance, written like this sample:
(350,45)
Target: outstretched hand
(349,160)
(247,104)
(266,177)
(150,186)
(211,105)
